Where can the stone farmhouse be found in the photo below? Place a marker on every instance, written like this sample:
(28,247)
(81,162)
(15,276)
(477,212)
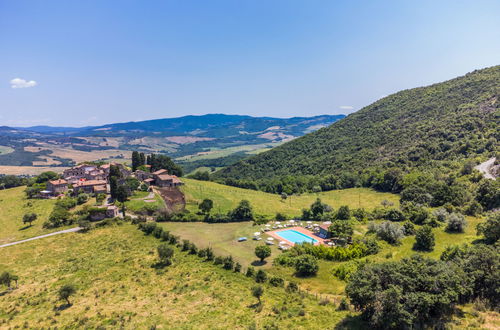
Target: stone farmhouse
(163,179)
(57,187)
(84,172)
(91,187)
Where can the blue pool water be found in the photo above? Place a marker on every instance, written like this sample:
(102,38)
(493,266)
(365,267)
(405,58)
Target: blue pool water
(295,236)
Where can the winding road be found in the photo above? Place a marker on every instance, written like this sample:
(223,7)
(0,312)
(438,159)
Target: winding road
(71,230)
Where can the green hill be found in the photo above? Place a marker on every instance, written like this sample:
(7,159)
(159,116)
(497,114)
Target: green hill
(433,129)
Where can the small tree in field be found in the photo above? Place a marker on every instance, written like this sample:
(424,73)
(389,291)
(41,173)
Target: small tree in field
(284,196)
(66,291)
(206,206)
(165,253)
(456,223)
(306,265)
(29,218)
(424,239)
(262,252)
(257,292)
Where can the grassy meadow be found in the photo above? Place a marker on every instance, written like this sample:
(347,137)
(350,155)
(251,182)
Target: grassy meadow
(13,205)
(118,287)
(226,198)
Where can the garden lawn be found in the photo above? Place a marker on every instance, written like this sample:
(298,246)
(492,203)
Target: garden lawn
(226,198)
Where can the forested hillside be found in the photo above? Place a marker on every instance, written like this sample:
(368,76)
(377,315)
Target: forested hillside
(418,137)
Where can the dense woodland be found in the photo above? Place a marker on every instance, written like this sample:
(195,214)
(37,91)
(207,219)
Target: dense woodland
(421,142)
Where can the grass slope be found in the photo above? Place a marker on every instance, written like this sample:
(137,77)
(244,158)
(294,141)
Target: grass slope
(226,198)
(116,287)
(422,127)
(13,205)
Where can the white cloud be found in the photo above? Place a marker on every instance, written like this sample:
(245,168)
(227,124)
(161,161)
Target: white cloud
(21,83)
(346,107)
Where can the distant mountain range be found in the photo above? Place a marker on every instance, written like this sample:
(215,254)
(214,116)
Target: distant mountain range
(210,125)
(188,138)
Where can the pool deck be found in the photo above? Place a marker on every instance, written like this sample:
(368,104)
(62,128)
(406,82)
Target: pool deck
(300,230)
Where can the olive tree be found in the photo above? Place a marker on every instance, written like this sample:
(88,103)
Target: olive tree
(262,252)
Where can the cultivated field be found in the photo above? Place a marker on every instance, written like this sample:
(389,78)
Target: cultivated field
(29,170)
(226,198)
(117,287)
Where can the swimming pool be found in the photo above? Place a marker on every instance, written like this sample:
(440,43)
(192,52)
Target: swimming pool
(295,236)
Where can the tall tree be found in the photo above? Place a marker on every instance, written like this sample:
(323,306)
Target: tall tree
(136,160)
(143,158)
(121,196)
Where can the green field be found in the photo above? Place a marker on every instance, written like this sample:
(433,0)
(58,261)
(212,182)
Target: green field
(226,198)
(137,201)
(117,287)
(214,153)
(13,205)
(223,239)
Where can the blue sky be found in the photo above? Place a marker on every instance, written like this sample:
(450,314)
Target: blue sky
(93,62)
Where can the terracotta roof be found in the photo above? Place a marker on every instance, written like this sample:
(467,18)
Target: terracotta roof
(165,177)
(90,183)
(57,182)
(159,172)
(325,227)
(149,180)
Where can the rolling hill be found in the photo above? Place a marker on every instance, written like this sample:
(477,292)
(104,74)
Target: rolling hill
(453,120)
(221,139)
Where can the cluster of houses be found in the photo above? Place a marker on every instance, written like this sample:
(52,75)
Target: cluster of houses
(93,179)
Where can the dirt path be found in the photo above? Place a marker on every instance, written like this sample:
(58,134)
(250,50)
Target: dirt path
(487,168)
(71,230)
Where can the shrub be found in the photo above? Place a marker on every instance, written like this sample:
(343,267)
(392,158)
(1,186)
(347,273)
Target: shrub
(344,213)
(157,232)
(306,265)
(257,292)
(392,233)
(395,215)
(424,239)
(441,214)
(237,267)
(193,249)
(276,281)
(490,229)
(261,276)
(250,271)
(389,302)
(148,227)
(165,253)
(210,253)
(456,223)
(408,228)
(292,287)
(218,260)
(228,263)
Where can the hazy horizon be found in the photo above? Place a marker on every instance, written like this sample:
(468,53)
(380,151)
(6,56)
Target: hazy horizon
(96,63)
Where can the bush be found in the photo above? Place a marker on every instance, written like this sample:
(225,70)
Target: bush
(441,214)
(237,267)
(165,254)
(456,223)
(306,265)
(250,272)
(228,263)
(389,302)
(147,227)
(277,281)
(261,276)
(344,213)
(424,239)
(390,232)
(157,232)
(292,287)
(490,229)
(408,228)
